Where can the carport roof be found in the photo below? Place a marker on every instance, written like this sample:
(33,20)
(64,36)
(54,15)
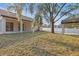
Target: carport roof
(70,20)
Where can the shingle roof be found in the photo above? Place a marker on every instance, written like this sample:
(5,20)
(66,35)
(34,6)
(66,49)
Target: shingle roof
(13,15)
(71,20)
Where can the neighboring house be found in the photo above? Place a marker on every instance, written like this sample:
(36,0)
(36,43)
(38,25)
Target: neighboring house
(10,24)
(70,25)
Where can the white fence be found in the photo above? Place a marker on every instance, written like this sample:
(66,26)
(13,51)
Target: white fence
(73,31)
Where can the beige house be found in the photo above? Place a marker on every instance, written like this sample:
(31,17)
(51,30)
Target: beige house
(71,23)
(10,24)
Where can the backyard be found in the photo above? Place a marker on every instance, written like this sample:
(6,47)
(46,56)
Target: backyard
(39,43)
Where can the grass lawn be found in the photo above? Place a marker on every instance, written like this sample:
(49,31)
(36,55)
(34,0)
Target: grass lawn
(41,43)
(10,39)
(75,36)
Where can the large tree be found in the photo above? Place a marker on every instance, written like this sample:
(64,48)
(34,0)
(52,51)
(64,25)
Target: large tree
(52,12)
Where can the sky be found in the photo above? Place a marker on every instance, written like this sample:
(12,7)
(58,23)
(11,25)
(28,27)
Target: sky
(4,6)
(25,13)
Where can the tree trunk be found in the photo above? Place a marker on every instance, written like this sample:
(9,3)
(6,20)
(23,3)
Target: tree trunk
(52,19)
(52,27)
(38,28)
(52,24)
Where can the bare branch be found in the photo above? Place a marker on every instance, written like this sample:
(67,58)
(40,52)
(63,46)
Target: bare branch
(64,14)
(60,10)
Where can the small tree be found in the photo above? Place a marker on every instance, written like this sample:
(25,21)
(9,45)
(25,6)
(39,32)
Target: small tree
(17,7)
(38,20)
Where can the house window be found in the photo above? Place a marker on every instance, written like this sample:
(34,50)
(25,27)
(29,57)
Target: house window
(9,26)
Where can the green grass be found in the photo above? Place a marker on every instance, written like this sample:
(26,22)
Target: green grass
(41,43)
(77,36)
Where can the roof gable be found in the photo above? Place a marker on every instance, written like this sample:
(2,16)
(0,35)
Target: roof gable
(6,13)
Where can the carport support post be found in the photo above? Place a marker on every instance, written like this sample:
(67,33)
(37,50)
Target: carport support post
(63,29)
(21,26)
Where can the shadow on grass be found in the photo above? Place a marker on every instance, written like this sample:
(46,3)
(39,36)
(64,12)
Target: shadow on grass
(10,39)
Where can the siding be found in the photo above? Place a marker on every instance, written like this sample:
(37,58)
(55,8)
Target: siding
(27,26)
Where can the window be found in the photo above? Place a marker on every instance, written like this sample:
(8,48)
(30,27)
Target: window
(9,26)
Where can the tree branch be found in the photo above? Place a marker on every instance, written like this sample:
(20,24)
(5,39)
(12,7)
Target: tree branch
(64,15)
(60,10)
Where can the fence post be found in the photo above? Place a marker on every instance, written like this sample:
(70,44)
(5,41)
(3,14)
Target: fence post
(63,29)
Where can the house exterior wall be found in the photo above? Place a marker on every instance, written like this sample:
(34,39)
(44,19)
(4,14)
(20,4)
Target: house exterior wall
(27,26)
(3,20)
(15,23)
(2,25)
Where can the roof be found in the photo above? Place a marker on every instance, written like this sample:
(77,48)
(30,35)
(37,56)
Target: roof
(6,13)
(70,20)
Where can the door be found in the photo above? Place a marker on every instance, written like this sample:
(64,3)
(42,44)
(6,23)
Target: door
(9,26)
